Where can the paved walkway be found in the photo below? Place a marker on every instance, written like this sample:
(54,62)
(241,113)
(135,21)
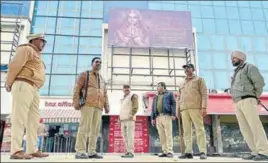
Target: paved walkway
(116,158)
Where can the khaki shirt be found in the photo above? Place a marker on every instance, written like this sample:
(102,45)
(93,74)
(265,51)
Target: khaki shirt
(192,94)
(26,64)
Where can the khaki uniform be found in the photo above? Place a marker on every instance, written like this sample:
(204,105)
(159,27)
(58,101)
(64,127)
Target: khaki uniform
(91,112)
(26,74)
(192,98)
(127,116)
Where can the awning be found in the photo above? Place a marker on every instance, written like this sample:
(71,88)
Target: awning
(219,104)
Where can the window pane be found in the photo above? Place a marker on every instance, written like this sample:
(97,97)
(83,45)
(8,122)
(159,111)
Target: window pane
(168,6)
(203,42)
(243,3)
(217,42)
(155,6)
(251,59)
(90,45)
(97,9)
(197,23)
(231,42)
(264,4)
(220,12)
(222,79)
(260,44)
(245,44)
(209,25)
(265,76)
(64,64)
(67,26)
(62,85)
(48,8)
(44,90)
(49,45)
(209,3)
(47,61)
(218,3)
(91,27)
(257,14)
(84,62)
(261,61)
(232,12)
(193,2)
(207,12)
(181,7)
(204,60)
(235,28)
(66,44)
(260,28)
(247,27)
(220,60)
(69,8)
(245,14)
(255,4)
(266,13)
(195,11)
(208,76)
(222,26)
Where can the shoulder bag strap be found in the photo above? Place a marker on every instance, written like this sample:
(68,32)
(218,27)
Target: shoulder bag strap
(86,85)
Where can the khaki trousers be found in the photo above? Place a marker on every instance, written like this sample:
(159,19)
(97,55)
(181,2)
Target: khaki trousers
(190,117)
(128,130)
(164,127)
(247,115)
(89,128)
(25,114)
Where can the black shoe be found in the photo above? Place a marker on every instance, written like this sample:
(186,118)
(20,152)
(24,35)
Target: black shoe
(81,156)
(248,157)
(162,155)
(96,156)
(186,156)
(203,156)
(128,155)
(260,157)
(169,155)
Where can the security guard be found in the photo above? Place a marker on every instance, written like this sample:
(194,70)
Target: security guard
(246,89)
(192,104)
(26,74)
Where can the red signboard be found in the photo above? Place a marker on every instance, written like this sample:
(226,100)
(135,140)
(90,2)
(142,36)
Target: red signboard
(116,143)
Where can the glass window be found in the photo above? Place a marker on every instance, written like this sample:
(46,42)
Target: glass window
(90,45)
(222,80)
(195,10)
(232,12)
(49,45)
(69,8)
(261,61)
(264,4)
(218,3)
(245,44)
(47,61)
(266,13)
(44,90)
(155,6)
(220,12)
(67,26)
(265,76)
(168,6)
(257,14)
(197,23)
(193,2)
(231,3)
(84,62)
(209,25)
(204,60)
(251,59)
(48,8)
(222,26)
(203,42)
(245,13)
(207,11)
(37,29)
(247,27)
(208,76)
(63,85)
(209,3)
(167,1)
(231,42)
(181,2)
(64,64)
(217,42)
(260,28)
(235,27)
(66,44)
(243,3)
(92,9)
(181,7)
(259,44)
(255,4)
(46,24)
(220,60)
(91,27)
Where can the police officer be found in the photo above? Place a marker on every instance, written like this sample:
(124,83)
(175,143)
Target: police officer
(246,88)
(192,104)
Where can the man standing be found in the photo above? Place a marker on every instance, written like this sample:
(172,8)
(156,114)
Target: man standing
(192,104)
(91,112)
(127,116)
(41,131)
(246,88)
(163,112)
(26,74)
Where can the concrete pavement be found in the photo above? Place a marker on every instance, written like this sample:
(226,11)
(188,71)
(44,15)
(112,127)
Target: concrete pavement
(69,157)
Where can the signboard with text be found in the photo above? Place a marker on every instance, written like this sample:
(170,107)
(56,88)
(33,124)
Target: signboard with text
(150,28)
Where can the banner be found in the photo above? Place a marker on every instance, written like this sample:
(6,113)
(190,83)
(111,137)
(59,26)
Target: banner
(150,28)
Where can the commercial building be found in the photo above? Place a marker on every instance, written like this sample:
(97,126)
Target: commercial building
(77,31)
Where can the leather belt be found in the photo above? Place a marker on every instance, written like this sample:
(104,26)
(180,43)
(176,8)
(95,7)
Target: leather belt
(25,80)
(247,96)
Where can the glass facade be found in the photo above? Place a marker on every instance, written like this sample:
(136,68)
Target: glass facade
(15,8)
(73,30)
